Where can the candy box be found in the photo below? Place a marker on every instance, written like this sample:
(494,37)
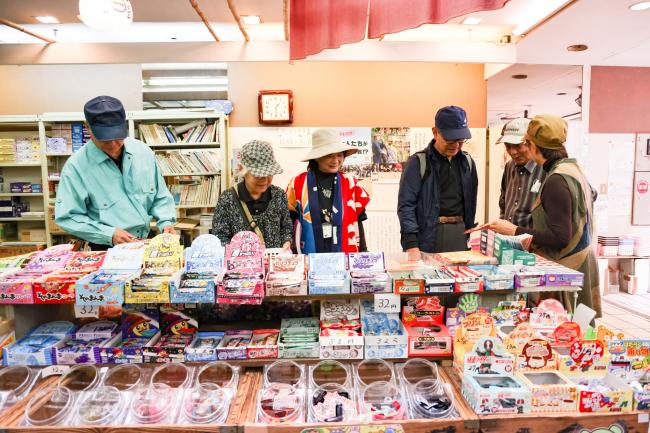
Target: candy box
(97,329)
(149,289)
(548,315)
(604,394)
(263,344)
(550,391)
(584,358)
(85,261)
(287,275)
(368,273)
(125,350)
(486,357)
(299,338)
(37,347)
(464,258)
(193,289)
(490,394)
(467,280)
(529,277)
(515,337)
(407,282)
(630,359)
(436,279)
(384,334)
(341,336)
(177,331)
(18,287)
(507,312)
(495,277)
(537,355)
(427,335)
(51,259)
(641,388)
(60,328)
(204,347)
(203,264)
(57,287)
(472,328)
(104,287)
(517,257)
(328,274)
(83,351)
(163,255)
(234,345)
(243,281)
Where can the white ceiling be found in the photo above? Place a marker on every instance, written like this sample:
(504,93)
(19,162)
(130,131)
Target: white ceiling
(509,97)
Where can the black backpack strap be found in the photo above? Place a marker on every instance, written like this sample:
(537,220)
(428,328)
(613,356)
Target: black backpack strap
(425,169)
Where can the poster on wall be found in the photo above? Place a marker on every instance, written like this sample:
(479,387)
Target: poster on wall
(358,164)
(391,147)
(294,137)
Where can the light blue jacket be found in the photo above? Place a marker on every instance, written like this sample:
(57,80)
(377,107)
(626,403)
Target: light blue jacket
(94,197)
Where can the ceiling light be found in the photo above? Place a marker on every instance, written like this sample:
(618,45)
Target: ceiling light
(641,6)
(185,81)
(47,20)
(537,11)
(106,14)
(251,19)
(472,21)
(577,47)
(520,76)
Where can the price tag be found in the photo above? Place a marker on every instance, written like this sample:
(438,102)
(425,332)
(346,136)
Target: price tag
(54,370)
(86,311)
(387,303)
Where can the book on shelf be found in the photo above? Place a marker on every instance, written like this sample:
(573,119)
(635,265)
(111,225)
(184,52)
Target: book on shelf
(197,131)
(188,161)
(197,192)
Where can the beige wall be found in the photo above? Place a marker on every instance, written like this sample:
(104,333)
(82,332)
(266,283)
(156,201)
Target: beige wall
(360,93)
(35,89)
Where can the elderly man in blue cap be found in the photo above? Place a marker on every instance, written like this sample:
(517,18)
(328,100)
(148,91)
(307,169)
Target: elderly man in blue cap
(112,188)
(438,189)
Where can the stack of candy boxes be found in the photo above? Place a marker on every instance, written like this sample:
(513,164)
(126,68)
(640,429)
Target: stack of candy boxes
(58,287)
(196,283)
(140,328)
(341,334)
(384,334)
(17,287)
(423,319)
(243,280)
(163,258)
(177,332)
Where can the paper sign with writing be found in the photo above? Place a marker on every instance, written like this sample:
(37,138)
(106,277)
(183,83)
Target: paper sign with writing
(387,303)
(358,138)
(86,311)
(474,327)
(537,353)
(585,353)
(566,333)
(205,256)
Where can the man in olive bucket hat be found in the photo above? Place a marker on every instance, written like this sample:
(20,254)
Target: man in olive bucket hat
(563,212)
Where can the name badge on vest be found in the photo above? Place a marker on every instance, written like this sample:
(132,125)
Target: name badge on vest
(327,231)
(536,186)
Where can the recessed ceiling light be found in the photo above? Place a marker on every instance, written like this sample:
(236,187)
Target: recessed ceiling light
(641,6)
(520,76)
(561,93)
(47,20)
(251,19)
(577,47)
(472,21)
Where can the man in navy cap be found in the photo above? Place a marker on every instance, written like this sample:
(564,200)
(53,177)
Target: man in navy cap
(112,188)
(438,189)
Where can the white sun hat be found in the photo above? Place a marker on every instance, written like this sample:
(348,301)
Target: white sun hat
(325,142)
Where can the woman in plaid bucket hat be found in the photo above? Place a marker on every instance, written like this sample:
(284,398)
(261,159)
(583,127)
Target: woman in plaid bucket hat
(328,204)
(254,204)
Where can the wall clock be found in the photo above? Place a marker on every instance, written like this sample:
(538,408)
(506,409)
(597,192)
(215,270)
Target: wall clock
(275,106)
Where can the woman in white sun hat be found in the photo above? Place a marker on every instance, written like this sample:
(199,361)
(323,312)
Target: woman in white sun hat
(328,204)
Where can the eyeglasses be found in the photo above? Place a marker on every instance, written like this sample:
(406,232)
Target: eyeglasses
(458,142)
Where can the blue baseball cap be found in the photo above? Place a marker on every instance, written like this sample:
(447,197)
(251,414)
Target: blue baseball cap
(106,118)
(451,121)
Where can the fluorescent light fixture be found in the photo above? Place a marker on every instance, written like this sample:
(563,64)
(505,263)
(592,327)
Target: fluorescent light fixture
(186,81)
(251,19)
(535,13)
(472,21)
(47,20)
(186,89)
(185,66)
(641,6)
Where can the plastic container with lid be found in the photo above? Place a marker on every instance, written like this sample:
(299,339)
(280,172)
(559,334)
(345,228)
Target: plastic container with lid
(50,406)
(330,371)
(415,370)
(15,383)
(173,375)
(331,402)
(383,401)
(154,404)
(101,406)
(125,377)
(280,403)
(80,378)
(286,372)
(219,373)
(373,370)
(206,403)
(431,399)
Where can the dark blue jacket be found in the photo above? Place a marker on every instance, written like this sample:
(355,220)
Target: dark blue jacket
(418,203)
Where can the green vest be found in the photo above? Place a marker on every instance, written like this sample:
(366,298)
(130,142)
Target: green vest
(579,253)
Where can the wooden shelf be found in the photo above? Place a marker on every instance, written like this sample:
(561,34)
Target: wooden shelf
(371,295)
(178,146)
(18,164)
(193,206)
(22,219)
(21,194)
(21,244)
(206,173)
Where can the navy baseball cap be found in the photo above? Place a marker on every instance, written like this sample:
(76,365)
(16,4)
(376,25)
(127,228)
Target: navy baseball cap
(106,118)
(451,121)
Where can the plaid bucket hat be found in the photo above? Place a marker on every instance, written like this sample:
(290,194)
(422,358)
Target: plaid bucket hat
(257,157)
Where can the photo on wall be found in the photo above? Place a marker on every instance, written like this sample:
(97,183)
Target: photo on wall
(391,147)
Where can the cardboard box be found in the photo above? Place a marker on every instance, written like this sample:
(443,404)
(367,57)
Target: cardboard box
(551,392)
(204,347)
(177,331)
(584,358)
(423,321)
(383,333)
(234,345)
(492,394)
(618,398)
(32,235)
(407,282)
(263,344)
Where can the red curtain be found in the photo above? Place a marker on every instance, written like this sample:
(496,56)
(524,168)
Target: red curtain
(393,16)
(316,25)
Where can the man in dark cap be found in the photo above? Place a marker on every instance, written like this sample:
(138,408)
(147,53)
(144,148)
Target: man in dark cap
(438,189)
(112,188)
